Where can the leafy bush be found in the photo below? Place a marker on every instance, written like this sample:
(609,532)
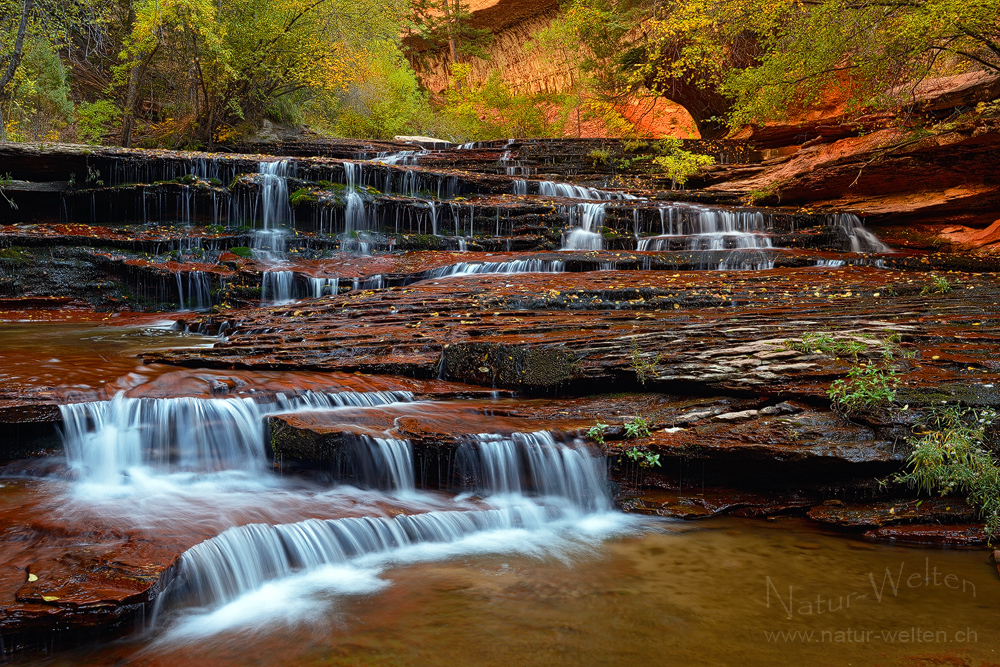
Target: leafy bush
(952,459)
(94,120)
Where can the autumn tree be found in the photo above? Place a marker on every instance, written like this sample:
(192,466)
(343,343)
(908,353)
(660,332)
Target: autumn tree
(225,64)
(33,81)
(730,62)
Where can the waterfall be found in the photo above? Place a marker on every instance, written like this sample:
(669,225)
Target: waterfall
(859,239)
(272,197)
(401,157)
(381,463)
(536,463)
(241,559)
(276,287)
(585,220)
(568,479)
(321,286)
(372,282)
(198,290)
(516,266)
(742,235)
(104,439)
(570,191)
(520,186)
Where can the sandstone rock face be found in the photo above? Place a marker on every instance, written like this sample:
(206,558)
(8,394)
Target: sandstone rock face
(512,25)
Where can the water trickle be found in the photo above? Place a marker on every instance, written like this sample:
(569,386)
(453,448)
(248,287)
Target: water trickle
(197,295)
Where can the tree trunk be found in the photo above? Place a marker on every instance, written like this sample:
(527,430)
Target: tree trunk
(132,96)
(15,58)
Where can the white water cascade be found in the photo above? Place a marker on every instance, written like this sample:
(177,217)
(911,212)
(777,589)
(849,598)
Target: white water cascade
(272,197)
(568,480)
(512,267)
(103,440)
(859,238)
(277,287)
(585,220)
(742,232)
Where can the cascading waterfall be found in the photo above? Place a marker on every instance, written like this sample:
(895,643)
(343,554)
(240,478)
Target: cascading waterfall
(584,220)
(322,286)
(372,282)
(277,287)
(742,232)
(197,296)
(859,239)
(382,463)
(570,191)
(104,439)
(274,207)
(569,481)
(535,463)
(515,266)
(241,559)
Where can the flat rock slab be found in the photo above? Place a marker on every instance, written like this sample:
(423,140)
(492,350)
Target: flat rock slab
(893,513)
(541,331)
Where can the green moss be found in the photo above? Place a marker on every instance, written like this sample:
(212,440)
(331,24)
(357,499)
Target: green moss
(302,196)
(14,255)
(242,251)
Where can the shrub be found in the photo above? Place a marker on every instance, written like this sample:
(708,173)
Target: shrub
(94,119)
(952,459)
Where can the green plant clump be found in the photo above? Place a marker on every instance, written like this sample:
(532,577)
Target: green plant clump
(824,343)
(600,156)
(952,459)
(302,196)
(643,458)
(637,427)
(867,385)
(645,368)
(596,432)
(938,285)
